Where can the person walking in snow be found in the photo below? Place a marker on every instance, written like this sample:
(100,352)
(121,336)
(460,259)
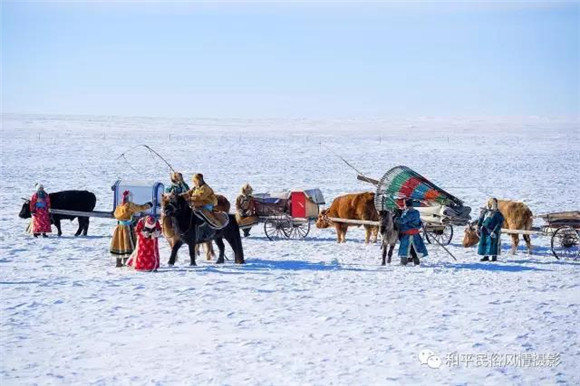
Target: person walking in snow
(411,245)
(40,210)
(146,255)
(123,242)
(489,229)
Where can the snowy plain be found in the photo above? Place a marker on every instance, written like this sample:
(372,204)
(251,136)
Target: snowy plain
(299,312)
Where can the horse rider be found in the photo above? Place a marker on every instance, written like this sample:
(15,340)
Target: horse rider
(178,185)
(201,195)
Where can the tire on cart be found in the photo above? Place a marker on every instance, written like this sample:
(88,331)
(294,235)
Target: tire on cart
(297,230)
(444,236)
(566,243)
(274,228)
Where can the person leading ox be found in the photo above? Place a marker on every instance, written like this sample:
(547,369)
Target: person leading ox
(489,229)
(40,210)
(411,245)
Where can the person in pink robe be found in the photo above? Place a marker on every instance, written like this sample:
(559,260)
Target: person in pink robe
(40,210)
(146,255)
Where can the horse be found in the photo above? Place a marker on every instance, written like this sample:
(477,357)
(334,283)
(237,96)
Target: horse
(172,237)
(186,225)
(389,232)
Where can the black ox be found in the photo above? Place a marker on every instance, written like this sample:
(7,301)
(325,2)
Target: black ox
(78,200)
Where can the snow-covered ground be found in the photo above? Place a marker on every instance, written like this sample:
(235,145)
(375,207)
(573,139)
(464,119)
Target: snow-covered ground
(299,312)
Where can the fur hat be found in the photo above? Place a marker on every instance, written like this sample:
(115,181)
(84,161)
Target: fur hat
(409,202)
(176,177)
(492,203)
(198,176)
(247,189)
(150,221)
(39,187)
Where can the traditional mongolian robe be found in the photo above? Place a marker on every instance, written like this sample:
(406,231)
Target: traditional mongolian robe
(146,255)
(123,243)
(39,207)
(409,226)
(246,210)
(489,223)
(204,197)
(177,188)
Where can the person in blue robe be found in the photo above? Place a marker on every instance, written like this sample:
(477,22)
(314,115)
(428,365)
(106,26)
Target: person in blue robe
(489,228)
(411,245)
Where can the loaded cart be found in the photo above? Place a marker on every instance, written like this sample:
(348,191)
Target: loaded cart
(439,209)
(565,230)
(142,192)
(288,214)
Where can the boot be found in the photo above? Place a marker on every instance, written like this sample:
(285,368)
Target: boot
(485,258)
(494,258)
(44,235)
(35,234)
(416,261)
(119,263)
(246,232)
(404,261)
(409,260)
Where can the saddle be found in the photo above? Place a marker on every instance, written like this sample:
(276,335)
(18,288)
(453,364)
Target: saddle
(215,220)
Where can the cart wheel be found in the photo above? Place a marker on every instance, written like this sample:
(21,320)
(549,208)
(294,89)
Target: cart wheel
(444,236)
(274,229)
(297,230)
(566,243)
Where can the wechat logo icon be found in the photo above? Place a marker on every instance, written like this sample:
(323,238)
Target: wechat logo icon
(429,358)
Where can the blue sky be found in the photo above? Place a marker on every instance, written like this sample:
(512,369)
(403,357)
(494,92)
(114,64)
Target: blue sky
(291,59)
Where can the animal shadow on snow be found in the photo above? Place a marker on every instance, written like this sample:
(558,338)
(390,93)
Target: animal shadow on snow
(354,240)
(489,266)
(297,265)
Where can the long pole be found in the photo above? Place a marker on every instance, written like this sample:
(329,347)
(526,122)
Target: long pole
(441,245)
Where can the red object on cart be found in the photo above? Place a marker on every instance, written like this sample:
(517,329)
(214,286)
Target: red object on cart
(298,204)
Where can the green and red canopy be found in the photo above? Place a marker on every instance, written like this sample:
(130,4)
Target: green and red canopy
(401,183)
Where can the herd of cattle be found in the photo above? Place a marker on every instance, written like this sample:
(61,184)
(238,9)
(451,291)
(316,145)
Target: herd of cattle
(356,206)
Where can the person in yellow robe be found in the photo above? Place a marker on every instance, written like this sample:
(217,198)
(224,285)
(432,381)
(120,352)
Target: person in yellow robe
(202,196)
(246,209)
(123,242)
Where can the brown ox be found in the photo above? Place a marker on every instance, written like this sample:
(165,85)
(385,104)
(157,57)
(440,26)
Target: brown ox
(172,237)
(357,206)
(516,215)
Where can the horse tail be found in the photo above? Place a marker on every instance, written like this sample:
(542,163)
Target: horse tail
(237,240)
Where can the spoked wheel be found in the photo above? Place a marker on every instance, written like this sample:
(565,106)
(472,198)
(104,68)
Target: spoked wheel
(566,243)
(297,230)
(274,229)
(443,235)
